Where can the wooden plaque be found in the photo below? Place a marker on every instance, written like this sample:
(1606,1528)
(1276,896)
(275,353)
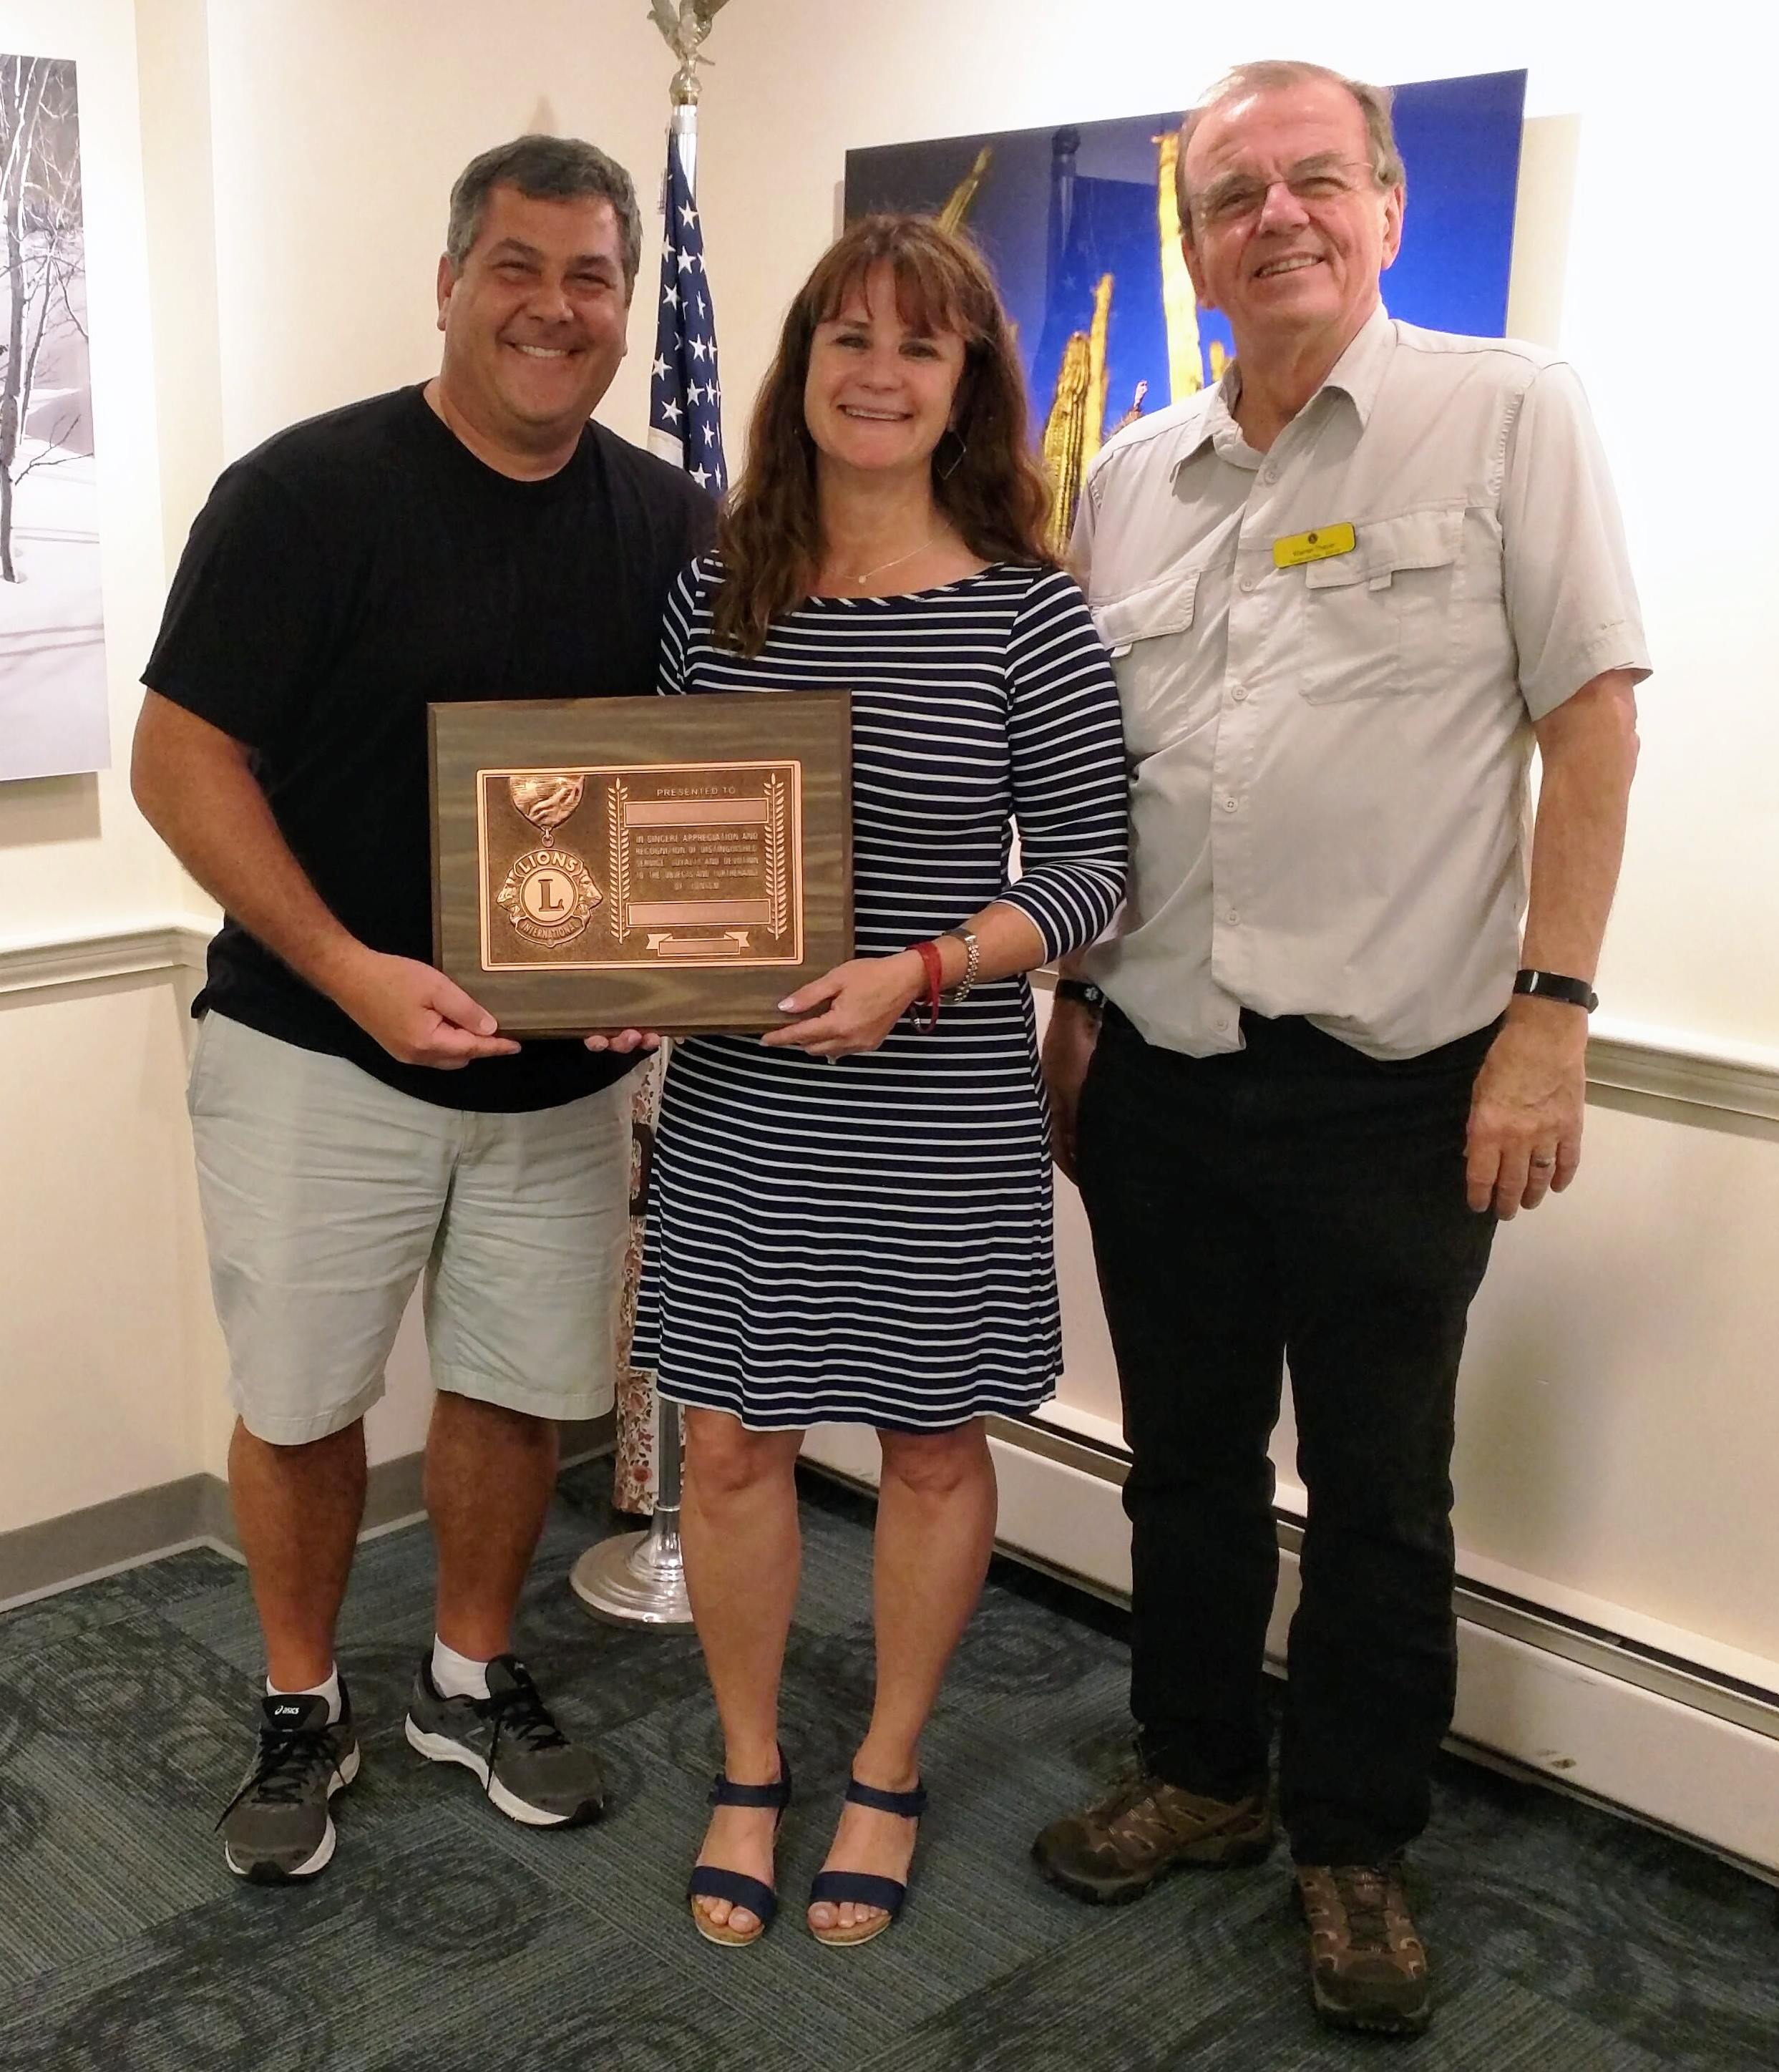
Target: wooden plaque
(673,864)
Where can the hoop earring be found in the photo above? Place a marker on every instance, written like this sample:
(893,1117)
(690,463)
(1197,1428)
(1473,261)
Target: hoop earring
(948,469)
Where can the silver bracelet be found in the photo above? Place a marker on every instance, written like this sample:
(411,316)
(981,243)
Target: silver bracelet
(972,962)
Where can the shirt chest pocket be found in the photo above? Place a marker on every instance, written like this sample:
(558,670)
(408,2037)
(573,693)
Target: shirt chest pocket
(1144,632)
(1381,621)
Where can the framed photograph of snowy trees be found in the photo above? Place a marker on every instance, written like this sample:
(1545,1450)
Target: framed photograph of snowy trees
(53,716)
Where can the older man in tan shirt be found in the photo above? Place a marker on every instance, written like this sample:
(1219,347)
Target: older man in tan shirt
(1346,591)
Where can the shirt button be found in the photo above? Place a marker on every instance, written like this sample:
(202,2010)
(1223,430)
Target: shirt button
(1247,585)
(1238,692)
(1230,805)
(1232,917)
(1269,474)
(1220,1023)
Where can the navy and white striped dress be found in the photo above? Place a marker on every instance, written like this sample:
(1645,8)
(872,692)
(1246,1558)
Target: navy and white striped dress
(870,1242)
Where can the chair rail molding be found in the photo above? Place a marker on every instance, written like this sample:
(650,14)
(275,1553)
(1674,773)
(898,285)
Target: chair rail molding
(174,943)
(1667,1064)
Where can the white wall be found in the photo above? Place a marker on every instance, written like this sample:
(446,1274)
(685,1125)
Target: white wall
(1620,1441)
(339,128)
(101,1248)
(99,1331)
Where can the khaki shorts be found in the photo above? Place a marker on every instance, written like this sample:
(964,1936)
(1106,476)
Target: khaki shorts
(326,1194)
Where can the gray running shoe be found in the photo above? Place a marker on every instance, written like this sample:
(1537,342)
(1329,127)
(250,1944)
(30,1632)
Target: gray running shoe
(528,1765)
(277,1826)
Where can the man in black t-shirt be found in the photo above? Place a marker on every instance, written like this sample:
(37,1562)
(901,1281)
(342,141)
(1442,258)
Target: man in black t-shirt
(357,1118)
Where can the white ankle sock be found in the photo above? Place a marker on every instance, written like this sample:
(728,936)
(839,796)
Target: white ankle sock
(457,1675)
(329,1689)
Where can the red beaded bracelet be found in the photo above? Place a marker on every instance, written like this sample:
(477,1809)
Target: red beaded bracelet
(933,965)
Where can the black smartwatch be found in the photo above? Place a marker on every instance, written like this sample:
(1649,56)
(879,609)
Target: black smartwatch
(1553,985)
(1081,990)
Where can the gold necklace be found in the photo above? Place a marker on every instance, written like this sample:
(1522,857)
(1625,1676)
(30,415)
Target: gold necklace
(865,575)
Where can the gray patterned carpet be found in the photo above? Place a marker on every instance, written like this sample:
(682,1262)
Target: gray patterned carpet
(443,1939)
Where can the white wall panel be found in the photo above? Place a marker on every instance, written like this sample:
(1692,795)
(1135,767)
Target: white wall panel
(338,130)
(101,1357)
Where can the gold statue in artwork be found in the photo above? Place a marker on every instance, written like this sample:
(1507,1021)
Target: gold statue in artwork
(1076,430)
(1063,431)
(952,216)
(1100,374)
(1185,361)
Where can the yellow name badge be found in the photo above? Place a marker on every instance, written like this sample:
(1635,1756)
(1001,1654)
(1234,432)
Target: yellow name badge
(1320,546)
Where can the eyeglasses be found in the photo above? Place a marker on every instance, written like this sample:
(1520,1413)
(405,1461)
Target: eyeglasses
(1315,183)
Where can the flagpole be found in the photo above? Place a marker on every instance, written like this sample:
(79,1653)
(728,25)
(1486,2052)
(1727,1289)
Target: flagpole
(638,1578)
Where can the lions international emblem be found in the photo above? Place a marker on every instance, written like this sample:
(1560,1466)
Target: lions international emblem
(549,894)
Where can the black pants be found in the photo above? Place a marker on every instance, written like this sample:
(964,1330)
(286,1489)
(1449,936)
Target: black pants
(1294,1200)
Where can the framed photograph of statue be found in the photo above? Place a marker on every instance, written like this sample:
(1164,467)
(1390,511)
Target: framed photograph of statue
(53,713)
(1080,224)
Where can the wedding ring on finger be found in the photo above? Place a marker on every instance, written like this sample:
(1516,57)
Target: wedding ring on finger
(1543,1164)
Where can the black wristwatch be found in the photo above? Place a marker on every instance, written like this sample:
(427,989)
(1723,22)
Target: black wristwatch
(1081,989)
(1553,985)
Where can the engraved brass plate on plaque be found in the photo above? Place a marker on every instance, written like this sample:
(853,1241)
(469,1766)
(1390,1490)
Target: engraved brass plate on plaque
(676,864)
(701,865)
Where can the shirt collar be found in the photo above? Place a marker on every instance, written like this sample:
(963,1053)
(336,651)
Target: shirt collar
(1221,428)
(1358,372)
(1357,375)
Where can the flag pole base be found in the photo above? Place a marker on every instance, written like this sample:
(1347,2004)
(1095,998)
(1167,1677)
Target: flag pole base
(636,1579)
(639,1578)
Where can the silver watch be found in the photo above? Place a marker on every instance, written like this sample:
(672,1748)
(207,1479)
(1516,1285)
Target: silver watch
(972,962)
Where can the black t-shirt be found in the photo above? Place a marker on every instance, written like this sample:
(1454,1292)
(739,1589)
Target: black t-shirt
(354,570)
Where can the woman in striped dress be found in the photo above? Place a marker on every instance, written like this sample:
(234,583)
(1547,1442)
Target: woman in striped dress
(850,1217)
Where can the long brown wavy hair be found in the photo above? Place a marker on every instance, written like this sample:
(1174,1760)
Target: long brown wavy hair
(995,495)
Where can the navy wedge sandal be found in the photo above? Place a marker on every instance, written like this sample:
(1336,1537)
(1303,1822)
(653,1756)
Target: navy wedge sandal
(864,1888)
(712,1881)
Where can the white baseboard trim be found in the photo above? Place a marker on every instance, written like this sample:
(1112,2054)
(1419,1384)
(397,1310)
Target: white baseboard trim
(1667,1761)
(1618,1625)
(85,1546)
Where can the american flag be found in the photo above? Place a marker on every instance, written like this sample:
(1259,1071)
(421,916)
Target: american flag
(685,414)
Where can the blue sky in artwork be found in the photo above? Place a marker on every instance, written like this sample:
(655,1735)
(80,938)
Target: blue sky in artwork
(1460,140)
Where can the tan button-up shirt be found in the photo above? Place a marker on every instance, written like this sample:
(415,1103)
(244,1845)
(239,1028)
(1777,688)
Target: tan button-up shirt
(1330,761)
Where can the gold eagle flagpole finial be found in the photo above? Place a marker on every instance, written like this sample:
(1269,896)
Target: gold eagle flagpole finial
(685,27)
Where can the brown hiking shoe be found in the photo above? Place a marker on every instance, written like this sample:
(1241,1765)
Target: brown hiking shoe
(1117,1847)
(1367,1965)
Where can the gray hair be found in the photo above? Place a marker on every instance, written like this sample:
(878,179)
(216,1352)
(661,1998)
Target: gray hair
(545,169)
(1266,74)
